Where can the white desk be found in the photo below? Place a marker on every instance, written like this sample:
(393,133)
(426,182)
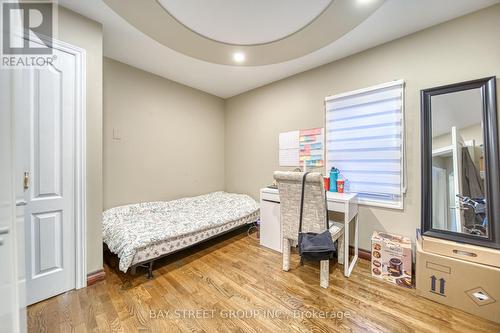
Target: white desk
(270,226)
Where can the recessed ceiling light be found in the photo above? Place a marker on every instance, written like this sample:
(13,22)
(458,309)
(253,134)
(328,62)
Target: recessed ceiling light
(364,2)
(239,57)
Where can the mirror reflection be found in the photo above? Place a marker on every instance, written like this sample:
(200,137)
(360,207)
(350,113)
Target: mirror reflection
(458,176)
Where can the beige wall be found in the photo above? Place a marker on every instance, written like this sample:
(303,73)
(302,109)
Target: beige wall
(87,34)
(171,138)
(459,50)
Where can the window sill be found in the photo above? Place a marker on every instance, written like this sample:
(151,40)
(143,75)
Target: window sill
(398,206)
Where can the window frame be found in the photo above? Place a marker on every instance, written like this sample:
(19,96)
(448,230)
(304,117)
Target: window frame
(403,179)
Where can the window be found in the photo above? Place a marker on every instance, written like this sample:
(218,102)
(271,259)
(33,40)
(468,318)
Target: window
(365,140)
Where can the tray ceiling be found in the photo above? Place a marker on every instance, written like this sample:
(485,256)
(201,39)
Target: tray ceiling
(127,43)
(243,22)
(337,19)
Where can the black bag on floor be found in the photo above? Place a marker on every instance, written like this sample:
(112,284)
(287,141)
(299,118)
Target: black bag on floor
(314,246)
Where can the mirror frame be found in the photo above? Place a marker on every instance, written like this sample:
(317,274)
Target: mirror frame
(492,164)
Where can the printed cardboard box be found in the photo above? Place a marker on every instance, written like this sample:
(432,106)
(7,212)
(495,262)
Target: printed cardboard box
(462,284)
(392,258)
(478,254)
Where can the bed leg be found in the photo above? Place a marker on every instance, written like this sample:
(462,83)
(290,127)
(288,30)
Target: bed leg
(150,270)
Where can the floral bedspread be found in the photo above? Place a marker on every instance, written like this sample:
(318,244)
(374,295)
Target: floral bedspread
(126,229)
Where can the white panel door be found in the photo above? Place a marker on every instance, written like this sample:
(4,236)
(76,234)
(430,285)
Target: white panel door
(439,199)
(46,164)
(457,143)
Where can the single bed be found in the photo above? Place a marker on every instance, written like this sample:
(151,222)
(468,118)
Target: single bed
(140,233)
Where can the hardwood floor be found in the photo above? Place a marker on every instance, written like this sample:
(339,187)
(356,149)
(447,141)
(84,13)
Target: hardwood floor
(234,273)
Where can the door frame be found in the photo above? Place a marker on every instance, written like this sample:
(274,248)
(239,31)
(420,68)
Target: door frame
(80,171)
(17,303)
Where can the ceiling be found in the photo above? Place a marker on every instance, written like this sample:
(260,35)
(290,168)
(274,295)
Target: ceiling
(139,38)
(243,22)
(335,20)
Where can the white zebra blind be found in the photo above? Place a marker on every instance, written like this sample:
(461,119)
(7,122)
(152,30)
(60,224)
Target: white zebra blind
(365,140)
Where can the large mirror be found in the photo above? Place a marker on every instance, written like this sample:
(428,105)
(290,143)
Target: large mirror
(460,183)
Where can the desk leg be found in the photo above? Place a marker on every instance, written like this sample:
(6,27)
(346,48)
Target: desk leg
(356,237)
(348,267)
(346,246)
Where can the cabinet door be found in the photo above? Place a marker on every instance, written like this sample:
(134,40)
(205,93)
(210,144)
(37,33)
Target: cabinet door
(270,225)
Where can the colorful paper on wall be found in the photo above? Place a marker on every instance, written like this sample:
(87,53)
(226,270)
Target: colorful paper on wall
(311,145)
(304,146)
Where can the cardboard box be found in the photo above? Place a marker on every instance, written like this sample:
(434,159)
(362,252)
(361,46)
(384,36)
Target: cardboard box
(462,284)
(467,252)
(392,258)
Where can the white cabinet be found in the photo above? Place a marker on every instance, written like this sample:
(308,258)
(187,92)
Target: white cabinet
(270,225)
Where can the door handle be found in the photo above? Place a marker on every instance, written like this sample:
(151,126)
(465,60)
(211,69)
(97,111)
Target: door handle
(21,203)
(26,181)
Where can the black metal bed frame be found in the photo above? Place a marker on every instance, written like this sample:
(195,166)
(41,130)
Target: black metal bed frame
(148,264)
